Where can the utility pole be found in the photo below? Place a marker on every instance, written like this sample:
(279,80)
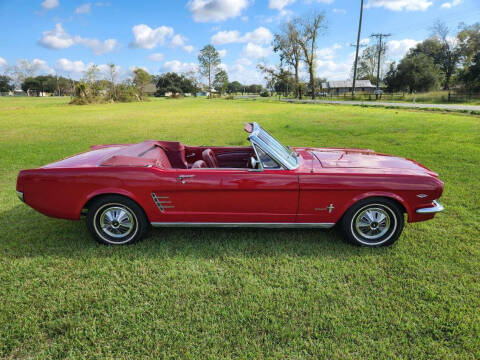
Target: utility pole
(358,45)
(380,49)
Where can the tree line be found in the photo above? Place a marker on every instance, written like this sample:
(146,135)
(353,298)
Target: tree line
(441,61)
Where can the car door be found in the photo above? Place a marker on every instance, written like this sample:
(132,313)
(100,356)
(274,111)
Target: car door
(234,196)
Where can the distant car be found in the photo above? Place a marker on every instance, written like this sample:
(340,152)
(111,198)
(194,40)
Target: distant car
(125,188)
(378,92)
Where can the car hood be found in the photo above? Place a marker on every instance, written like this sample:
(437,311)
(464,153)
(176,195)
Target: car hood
(364,159)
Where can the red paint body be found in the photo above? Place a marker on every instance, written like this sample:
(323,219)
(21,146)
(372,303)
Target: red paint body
(232,192)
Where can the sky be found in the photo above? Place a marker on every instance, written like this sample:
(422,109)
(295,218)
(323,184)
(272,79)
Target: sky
(65,37)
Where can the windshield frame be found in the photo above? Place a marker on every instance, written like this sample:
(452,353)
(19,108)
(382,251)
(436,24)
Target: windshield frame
(272,147)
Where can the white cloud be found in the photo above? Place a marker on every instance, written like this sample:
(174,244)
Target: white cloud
(83,9)
(222,53)
(243,61)
(448,5)
(148,38)
(57,38)
(365,41)
(279,4)
(339,11)
(49,4)
(396,49)
(225,37)
(178,66)
(399,5)
(255,51)
(36,66)
(96,46)
(180,41)
(3,62)
(216,10)
(156,57)
(260,35)
(328,53)
(71,67)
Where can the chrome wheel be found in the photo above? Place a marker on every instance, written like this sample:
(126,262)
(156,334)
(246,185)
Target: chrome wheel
(117,221)
(372,223)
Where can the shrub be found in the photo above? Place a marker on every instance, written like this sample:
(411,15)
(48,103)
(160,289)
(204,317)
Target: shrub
(264,94)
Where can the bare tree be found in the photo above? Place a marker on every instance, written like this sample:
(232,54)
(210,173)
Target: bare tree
(310,27)
(193,76)
(286,43)
(112,77)
(22,70)
(450,53)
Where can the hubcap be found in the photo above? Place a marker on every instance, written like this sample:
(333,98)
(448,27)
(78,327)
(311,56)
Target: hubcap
(372,223)
(117,221)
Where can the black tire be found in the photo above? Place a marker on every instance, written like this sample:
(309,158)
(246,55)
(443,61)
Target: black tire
(124,221)
(373,222)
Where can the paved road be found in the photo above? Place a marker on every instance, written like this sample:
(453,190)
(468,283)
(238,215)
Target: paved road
(378,103)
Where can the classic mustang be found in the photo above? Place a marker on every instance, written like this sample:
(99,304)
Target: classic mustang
(123,188)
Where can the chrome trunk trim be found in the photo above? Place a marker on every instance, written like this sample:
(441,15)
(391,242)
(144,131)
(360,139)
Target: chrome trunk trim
(244,225)
(431,210)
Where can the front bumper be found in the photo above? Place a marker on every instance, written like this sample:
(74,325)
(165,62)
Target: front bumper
(431,210)
(20,195)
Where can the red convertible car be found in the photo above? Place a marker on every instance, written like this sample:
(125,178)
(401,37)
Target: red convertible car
(124,188)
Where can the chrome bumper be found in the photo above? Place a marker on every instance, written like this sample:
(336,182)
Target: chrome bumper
(431,210)
(20,195)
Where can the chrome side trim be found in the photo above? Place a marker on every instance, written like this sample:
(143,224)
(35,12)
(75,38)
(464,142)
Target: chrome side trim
(431,210)
(162,202)
(20,195)
(244,225)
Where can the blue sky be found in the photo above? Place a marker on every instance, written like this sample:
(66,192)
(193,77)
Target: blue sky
(64,37)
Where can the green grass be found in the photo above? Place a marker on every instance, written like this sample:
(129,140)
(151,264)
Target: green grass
(185,293)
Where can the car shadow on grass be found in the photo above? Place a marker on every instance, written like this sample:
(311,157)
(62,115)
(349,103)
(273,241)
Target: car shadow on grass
(30,234)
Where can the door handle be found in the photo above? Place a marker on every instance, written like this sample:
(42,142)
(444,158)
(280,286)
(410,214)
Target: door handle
(183,178)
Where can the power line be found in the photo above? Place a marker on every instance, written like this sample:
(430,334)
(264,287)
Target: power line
(380,49)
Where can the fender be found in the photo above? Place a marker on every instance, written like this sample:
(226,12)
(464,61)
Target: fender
(110,191)
(385,194)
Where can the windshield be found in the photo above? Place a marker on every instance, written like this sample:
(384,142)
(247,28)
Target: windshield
(273,147)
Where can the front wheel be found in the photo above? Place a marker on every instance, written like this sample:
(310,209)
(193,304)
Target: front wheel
(116,220)
(373,222)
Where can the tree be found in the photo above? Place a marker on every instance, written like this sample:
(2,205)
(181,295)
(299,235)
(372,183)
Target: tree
(221,81)
(277,77)
(173,83)
(310,28)
(234,87)
(112,76)
(141,78)
(418,73)
(286,43)
(209,60)
(367,63)
(469,42)
(192,76)
(471,75)
(449,56)
(6,84)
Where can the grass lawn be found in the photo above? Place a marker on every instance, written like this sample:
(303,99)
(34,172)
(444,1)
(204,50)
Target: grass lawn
(198,293)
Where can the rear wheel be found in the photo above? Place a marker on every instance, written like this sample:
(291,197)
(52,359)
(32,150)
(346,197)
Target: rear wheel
(373,222)
(116,220)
